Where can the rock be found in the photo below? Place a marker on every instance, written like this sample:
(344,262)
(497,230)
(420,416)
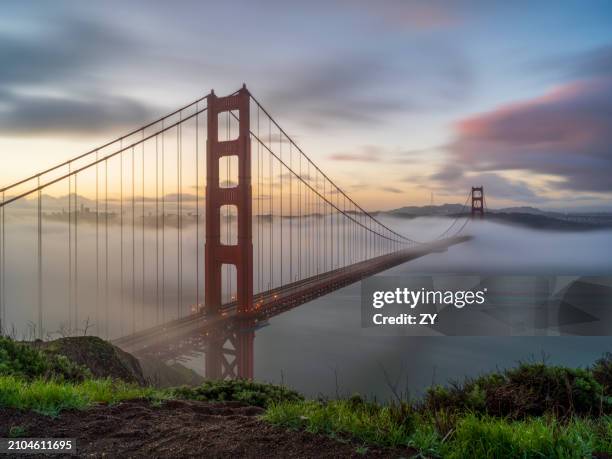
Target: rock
(102,358)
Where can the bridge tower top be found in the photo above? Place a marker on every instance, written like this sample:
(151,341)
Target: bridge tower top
(478,201)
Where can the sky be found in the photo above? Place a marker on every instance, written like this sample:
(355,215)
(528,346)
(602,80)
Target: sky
(395,100)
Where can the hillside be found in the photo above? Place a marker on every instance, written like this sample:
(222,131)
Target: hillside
(524,216)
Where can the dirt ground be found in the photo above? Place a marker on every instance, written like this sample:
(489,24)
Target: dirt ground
(181,429)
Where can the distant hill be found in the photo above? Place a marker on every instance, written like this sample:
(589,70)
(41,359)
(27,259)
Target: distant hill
(525,216)
(528,210)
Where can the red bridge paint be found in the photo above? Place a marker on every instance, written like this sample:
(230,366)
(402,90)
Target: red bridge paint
(217,254)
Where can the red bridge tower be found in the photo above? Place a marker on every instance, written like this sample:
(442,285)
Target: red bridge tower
(478,201)
(217,254)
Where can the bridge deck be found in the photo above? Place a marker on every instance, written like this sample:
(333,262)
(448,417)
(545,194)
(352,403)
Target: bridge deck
(273,302)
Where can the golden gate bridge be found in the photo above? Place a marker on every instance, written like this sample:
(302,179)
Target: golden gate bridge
(188,232)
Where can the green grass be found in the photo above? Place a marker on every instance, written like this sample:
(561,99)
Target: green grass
(50,397)
(535,438)
(367,422)
(17,431)
(470,436)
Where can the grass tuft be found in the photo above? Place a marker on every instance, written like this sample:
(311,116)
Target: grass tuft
(50,397)
(487,437)
(383,425)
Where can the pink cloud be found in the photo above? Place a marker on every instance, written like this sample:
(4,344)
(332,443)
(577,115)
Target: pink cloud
(566,132)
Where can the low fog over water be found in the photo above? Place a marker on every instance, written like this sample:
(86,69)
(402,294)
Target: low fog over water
(322,342)
(319,347)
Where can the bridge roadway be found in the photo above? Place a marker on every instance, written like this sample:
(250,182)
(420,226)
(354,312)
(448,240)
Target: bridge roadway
(189,333)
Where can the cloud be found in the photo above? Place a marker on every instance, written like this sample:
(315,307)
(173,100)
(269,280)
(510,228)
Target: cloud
(82,48)
(45,73)
(564,133)
(412,16)
(26,115)
(586,64)
(455,181)
(64,48)
(390,189)
(368,88)
(377,153)
(367,153)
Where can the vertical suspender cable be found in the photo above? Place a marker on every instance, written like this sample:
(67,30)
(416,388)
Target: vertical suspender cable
(76,253)
(133,243)
(121,269)
(291,279)
(70,248)
(280,147)
(180,216)
(106,248)
(300,240)
(163,227)
(259,232)
(97,314)
(178,223)
(197,210)
(271,178)
(157,230)
(142,286)
(39,251)
(2,269)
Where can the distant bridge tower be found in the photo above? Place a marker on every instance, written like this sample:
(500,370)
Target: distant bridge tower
(217,254)
(477,201)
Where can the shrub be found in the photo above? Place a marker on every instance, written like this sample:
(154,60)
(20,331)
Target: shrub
(538,389)
(20,359)
(532,389)
(240,390)
(602,372)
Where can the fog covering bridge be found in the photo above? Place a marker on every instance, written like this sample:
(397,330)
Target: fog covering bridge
(188,232)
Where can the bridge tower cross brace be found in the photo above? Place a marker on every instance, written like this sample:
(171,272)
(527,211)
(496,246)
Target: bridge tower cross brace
(477,201)
(217,254)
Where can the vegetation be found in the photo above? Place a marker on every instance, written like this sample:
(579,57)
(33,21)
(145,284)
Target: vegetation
(16,431)
(464,435)
(51,396)
(371,423)
(531,411)
(531,389)
(239,390)
(602,372)
(100,357)
(24,361)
